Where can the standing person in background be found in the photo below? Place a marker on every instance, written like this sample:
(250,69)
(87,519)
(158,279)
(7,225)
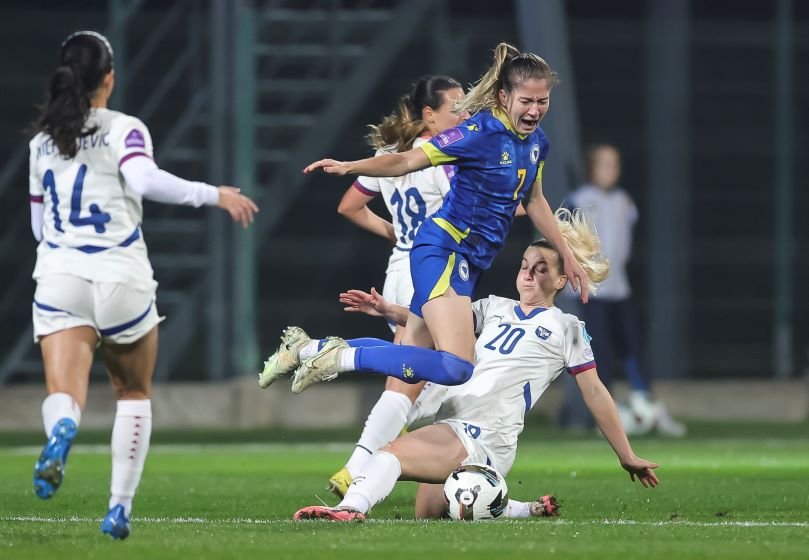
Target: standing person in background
(90,168)
(610,316)
(429,108)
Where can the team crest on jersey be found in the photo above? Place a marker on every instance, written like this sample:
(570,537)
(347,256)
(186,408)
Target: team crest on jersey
(505,158)
(134,139)
(449,137)
(543,333)
(535,154)
(463,270)
(588,353)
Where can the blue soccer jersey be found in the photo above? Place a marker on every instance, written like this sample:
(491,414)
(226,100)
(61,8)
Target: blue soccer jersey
(496,167)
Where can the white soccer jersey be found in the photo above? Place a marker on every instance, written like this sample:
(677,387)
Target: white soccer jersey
(410,198)
(517,357)
(614,214)
(92,218)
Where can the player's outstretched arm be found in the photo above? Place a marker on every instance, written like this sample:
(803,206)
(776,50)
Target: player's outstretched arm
(600,403)
(354,206)
(387,165)
(375,305)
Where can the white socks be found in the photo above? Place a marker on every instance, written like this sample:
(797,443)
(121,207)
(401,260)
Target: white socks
(130,444)
(313,347)
(57,406)
(517,510)
(384,423)
(373,483)
(347,359)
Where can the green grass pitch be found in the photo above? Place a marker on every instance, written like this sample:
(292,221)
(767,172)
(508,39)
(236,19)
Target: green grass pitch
(719,498)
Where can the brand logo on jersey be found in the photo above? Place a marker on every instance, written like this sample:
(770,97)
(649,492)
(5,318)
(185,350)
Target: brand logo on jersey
(535,154)
(134,139)
(407,372)
(505,159)
(449,170)
(473,127)
(449,137)
(463,270)
(543,333)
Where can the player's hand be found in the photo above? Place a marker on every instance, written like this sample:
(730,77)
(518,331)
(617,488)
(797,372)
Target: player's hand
(240,207)
(372,304)
(578,278)
(643,470)
(330,166)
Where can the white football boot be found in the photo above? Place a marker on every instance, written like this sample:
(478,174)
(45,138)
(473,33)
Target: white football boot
(286,358)
(323,366)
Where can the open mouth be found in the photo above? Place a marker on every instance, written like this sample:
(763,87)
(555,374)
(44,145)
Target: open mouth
(529,123)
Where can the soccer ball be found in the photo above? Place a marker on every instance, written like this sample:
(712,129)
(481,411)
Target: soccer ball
(474,492)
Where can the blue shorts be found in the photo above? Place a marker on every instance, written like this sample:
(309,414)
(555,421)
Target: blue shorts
(434,270)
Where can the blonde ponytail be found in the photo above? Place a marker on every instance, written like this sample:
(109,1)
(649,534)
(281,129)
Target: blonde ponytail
(581,237)
(509,68)
(397,130)
(484,93)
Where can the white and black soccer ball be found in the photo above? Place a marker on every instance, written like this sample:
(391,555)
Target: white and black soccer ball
(475,492)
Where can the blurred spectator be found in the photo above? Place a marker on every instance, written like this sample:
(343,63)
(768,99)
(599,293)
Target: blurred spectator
(610,315)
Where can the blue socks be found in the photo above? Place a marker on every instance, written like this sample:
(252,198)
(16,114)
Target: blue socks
(412,364)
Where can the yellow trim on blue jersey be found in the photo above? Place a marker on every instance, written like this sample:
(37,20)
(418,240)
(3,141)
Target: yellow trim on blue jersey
(503,117)
(539,172)
(454,232)
(442,285)
(436,156)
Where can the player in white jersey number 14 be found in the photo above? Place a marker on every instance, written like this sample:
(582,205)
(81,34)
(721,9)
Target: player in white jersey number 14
(90,168)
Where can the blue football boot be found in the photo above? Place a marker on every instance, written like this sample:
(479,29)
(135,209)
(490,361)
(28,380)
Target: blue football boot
(50,468)
(116,523)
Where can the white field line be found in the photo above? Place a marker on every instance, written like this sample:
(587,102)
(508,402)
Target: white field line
(241,521)
(182,448)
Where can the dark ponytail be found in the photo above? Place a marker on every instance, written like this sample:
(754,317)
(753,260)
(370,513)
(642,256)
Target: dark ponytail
(404,125)
(85,58)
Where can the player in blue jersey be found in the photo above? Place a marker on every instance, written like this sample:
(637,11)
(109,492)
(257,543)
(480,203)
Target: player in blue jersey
(499,154)
(90,169)
(426,110)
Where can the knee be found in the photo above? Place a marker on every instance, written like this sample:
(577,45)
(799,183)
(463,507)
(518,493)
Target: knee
(458,370)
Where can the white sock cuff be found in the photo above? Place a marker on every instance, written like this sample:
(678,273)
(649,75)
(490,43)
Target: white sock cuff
(392,460)
(142,408)
(57,406)
(400,399)
(347,359)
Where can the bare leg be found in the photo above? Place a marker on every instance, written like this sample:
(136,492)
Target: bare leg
(429,454)
(430,503)
(130,367)
(67,356)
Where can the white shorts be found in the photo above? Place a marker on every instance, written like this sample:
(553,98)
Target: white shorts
(483,447)
(119,313)
(398,286)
